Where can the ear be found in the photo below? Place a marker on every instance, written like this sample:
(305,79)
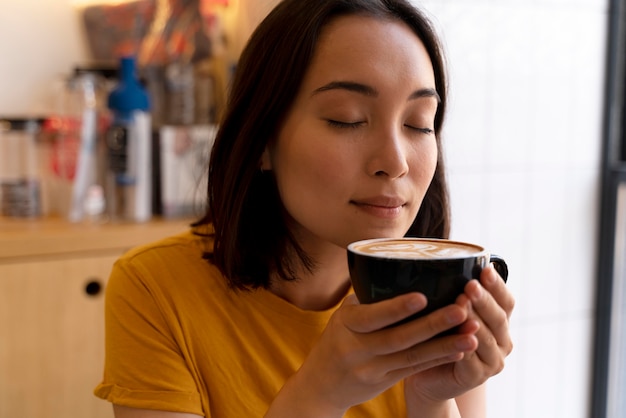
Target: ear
(266,162)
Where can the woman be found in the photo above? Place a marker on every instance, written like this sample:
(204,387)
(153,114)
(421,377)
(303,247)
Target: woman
(331,135)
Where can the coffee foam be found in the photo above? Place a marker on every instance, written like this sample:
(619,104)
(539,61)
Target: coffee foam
(415,249)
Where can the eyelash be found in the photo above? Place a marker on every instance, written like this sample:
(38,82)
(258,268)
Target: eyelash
(343,125)
(426,131)
(354,125)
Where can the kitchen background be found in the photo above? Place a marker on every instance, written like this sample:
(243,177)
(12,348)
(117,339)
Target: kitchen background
(523,144)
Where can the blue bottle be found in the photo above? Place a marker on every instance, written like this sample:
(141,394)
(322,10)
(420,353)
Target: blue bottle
(129,174)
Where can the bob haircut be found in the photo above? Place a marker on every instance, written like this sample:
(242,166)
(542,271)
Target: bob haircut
(251,237)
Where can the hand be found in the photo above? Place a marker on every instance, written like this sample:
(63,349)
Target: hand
(490,304)
(358,355)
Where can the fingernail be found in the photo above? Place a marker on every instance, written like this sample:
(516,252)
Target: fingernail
(455,316)
(477,293)
(490,277)
(464,344)
(416,303)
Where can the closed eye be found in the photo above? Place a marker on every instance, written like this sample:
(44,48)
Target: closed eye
(427,131)
(343,125)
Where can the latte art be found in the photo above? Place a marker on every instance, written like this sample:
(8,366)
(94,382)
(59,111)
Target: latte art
(416,249)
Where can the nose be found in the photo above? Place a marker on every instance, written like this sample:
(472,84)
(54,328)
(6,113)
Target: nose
(388,156)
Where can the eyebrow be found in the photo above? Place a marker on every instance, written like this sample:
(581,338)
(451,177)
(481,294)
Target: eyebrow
(372,92)
(427,92)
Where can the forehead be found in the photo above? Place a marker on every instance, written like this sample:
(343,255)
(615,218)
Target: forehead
(361,23)
(365,46)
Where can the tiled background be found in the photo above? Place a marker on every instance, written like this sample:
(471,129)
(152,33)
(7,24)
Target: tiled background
(523,144)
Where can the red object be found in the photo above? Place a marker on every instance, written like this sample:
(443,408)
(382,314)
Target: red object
(65,145)
(219,2)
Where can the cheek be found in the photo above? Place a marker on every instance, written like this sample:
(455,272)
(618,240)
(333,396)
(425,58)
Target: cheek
(306,156)
(424,164)
(311,173)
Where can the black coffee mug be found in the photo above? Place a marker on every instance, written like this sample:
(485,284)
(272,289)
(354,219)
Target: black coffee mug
(387,267)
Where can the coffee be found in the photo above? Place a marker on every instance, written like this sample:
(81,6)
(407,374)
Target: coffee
(416,249)
(384,268)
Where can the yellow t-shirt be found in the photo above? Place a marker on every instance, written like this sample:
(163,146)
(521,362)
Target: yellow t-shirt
(179,339)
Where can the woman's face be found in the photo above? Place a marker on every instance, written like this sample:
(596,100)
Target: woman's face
(358,151)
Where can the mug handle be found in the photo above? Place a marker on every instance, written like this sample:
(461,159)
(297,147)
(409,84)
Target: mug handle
(500,265)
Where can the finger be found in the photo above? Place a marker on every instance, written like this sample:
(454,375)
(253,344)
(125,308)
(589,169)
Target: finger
(366,318)
(351,299)
(431,353)
(494,319)
(491,280)
(488,358)
(416,331)
(472,324)
(488,350)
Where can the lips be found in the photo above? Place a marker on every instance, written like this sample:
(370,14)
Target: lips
(380,206)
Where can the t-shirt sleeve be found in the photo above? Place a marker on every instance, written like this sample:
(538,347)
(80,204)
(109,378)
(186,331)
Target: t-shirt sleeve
(144,364)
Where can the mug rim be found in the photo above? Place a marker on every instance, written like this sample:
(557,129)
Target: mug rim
(480,249)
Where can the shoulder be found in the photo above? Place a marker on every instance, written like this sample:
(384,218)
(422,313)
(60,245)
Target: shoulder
(173,251)
(172,264)
(190,241)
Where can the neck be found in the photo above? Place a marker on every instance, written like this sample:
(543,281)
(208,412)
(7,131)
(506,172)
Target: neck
(320,289)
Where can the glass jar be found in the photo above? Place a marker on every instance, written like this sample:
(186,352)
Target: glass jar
(20,182)
(77,149)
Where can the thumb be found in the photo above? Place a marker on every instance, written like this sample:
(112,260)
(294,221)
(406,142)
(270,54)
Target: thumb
(350,300)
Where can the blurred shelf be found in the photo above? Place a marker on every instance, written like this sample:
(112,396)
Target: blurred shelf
(49,237)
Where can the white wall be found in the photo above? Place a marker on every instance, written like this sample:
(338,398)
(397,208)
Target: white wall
(523,144)
(523,149)
(40,41)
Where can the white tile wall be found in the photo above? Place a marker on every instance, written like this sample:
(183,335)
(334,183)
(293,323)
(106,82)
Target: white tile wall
(523,140)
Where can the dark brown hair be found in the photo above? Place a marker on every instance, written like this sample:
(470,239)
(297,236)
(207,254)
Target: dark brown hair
(252,239)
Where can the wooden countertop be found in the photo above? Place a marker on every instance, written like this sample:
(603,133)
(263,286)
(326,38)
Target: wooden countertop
(45,237)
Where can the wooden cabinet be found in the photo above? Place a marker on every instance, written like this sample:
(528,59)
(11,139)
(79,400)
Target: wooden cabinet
(52,280)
